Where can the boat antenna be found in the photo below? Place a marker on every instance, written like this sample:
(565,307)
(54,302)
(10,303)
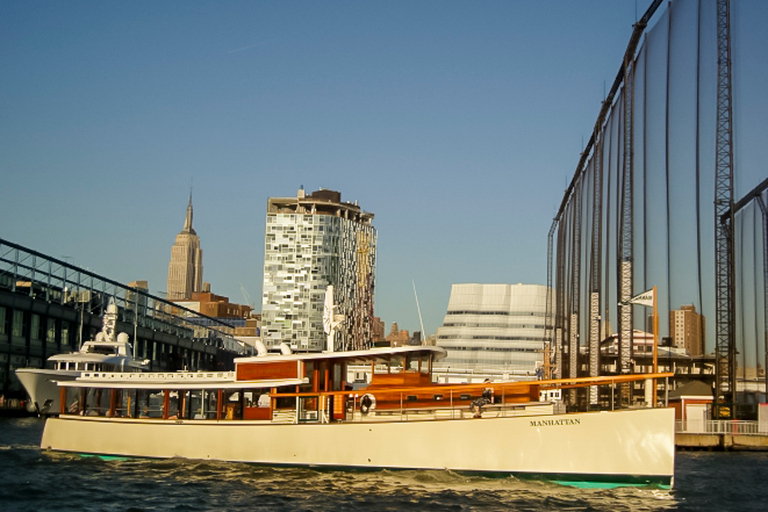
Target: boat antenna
(418,308)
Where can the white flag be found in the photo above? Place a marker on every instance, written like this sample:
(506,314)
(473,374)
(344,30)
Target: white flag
(328,309)
(644,299)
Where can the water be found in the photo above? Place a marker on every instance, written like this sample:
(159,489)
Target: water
(33,480)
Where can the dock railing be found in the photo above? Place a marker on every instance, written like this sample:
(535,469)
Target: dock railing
(731,427)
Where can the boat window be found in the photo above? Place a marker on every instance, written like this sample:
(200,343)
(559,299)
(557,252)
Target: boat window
(308,408)
(97,402)
(103,349)
(395,364)
(285,402)
(309,372)
(72,400)
(232,405)
(173,404)
(339,375)
(210,404)
(149,403)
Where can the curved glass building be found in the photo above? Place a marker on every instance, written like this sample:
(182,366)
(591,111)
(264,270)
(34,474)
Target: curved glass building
(494,330)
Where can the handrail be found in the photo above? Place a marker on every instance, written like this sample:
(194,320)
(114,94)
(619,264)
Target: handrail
(497,386)
(729,427)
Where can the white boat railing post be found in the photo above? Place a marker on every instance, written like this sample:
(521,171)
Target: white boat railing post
(503,402)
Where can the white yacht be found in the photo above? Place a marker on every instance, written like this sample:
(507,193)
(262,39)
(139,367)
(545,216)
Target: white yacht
(298,410)
(107,352)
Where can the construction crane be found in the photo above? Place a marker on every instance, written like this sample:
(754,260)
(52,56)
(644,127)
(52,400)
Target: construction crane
(246,296)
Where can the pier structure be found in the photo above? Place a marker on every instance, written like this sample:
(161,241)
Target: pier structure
(657,209)
(49,306)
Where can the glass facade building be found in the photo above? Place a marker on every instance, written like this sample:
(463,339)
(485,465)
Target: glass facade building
(494,328)
(312,241)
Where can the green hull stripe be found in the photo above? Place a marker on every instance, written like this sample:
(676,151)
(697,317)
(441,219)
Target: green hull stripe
(579,480)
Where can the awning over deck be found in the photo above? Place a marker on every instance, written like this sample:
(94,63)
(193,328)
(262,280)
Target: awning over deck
(377,355)
(175,380)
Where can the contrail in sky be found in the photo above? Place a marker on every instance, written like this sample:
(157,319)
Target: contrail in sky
(256,44)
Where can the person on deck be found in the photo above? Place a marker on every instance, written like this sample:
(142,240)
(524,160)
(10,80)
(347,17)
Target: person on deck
(487,398)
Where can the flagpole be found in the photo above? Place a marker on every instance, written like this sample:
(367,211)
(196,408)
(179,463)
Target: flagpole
(655,342)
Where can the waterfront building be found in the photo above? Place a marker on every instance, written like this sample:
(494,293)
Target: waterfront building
(313,241)
(217,307)
(669,358)
(687,329)
(136,298)
(377,332)
(401,338)
(185,271)
(493,330)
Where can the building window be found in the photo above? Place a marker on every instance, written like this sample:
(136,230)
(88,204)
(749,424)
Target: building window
(36,331)
(65,333)
(50,333)
(18,324)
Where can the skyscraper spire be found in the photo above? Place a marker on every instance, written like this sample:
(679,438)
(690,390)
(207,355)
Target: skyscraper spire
(185,270)
(188,220)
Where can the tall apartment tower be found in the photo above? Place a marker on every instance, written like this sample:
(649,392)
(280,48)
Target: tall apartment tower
(312,241)
(687,329)
(185,271)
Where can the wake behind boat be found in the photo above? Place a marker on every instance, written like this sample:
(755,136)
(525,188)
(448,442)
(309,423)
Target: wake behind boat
(298,410)
(107,352)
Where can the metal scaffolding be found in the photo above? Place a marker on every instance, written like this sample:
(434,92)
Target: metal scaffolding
(725,347)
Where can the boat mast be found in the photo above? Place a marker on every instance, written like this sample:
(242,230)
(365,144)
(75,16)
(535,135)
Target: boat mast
(418,308)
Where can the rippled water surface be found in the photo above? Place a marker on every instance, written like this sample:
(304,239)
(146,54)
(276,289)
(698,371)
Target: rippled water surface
(34,480)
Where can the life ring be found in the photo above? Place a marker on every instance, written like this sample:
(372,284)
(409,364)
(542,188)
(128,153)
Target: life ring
(367,403)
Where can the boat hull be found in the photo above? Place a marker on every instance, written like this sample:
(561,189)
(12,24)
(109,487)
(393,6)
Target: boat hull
(628,446)
(42,389)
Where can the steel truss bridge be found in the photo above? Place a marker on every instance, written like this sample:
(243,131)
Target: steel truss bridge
(652,204)
(48,306)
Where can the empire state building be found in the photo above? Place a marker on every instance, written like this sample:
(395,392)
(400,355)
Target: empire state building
(185,271)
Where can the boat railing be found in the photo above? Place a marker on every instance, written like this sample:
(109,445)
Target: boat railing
(175,396)
(452,413)
(317,408)
(158,376)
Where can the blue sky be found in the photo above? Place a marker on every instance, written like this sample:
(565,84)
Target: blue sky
(458,124)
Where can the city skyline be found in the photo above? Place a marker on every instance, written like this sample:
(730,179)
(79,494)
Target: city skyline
(458,125)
